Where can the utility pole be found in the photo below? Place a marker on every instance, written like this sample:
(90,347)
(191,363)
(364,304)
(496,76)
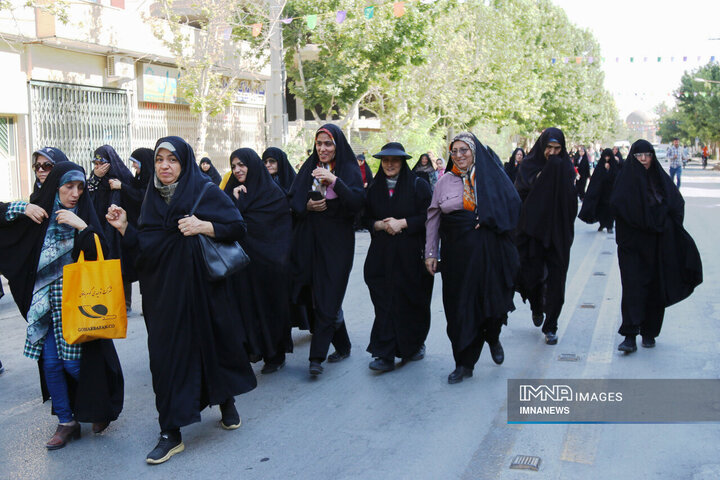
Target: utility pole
(276,108)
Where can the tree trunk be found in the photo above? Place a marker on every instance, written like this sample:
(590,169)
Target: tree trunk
(202,131)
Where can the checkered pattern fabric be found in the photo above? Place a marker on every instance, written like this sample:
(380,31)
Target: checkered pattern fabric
(15,209)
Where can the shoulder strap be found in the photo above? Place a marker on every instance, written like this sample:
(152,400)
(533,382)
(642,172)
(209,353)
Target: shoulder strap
(202,194)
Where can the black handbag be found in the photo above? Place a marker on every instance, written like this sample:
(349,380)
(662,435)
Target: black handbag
(221,258)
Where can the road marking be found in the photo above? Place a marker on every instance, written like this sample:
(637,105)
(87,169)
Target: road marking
(582,441)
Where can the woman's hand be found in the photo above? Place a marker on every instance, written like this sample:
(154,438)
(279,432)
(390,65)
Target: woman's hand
(431,265)
(394,226)
(237,190)
(117,217)
(607,166)
(325,175)
(115,184)
(190,226)
(380,226)
(35,213)
(66,217)
(101,170)
(317,205)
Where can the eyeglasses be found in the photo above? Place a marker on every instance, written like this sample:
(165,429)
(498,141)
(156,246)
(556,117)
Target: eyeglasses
(269,160)
(641,156)
(459,151)
(47,166)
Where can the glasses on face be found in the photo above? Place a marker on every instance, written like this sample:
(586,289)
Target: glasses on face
(270,161)
(459,152)
(643,156)
(47,166)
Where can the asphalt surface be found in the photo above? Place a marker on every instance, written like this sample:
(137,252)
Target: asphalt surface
(351,423)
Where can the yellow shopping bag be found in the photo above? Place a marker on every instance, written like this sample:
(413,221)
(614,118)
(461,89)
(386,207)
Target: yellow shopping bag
(93,299)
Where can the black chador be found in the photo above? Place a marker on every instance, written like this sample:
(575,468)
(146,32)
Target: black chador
(512,165)
(285,172)
(324,243)
(596,205)
(546,231)
(400,287)
(212,172)
(262,289)
(659,262)
(195,342)
(133,193)
(583,168)
(97,395)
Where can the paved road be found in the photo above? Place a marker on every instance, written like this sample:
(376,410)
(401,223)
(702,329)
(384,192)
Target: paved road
(354,424)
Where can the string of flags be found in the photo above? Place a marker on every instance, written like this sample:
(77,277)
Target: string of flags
(581,60)
(398,10)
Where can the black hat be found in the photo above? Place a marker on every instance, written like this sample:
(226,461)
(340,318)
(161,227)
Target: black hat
(361,157)
(392,149)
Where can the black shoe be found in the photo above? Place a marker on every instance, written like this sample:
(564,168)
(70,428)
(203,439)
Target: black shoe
(497,353)
(337,357)
(419,355)
(458,374)
(538,319)
(230,416)
(169,444)
(315,368)
(271,367)
(610,230)
(2,369)
(551,338)
(628,345)
(382,365)
(648,342)
(600,229)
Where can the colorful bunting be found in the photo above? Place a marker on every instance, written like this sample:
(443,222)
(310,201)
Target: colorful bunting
(256,29)
(311,21)
(340,17)
(369,12)
(399,9)
(287,21)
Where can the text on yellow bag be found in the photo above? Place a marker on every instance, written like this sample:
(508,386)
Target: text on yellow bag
(93,299)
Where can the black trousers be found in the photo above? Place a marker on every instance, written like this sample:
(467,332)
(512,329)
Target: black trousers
(548,296)
(328,331)
(642,305)
(469,356)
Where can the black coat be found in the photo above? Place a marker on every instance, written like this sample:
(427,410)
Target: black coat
(263,288)
(212,172)
(649,210)
(98,394)
(196,344)
(549,208)
(400,286)
(324,242)
(596,205)
(479,260)
(285,174)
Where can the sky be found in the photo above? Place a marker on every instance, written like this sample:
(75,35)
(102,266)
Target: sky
(652,29)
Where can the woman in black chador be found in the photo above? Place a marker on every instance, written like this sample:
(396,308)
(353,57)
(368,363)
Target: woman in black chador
(596,205)
(209,169)
(324,197)
(400,288)
(195,342)
(37,240)
(262,289)
(659,262)
(583,169)
(279,167)
(473,212)
(545,232)
(512,165)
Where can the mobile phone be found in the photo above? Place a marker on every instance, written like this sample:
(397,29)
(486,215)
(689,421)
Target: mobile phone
(315,195)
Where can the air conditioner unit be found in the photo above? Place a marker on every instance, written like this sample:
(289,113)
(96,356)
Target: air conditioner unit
(119,67)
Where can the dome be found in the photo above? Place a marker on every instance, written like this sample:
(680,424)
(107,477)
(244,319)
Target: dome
(639,116)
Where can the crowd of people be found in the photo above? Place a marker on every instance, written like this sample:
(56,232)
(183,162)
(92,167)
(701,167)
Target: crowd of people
(489,229)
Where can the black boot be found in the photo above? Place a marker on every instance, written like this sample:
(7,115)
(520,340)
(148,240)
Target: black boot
(497,353)
(628,345)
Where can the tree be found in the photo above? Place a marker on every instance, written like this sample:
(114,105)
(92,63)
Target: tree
(214,54)
(350,56)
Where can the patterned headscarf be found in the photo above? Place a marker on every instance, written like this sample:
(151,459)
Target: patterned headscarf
(468,177)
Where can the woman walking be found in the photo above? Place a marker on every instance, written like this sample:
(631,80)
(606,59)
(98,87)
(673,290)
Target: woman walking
(659,262)
(596,205)
(474,209)
(262,289)
(209,169)
(512,165)
(324,197)
(545,233)
(425,169)
(84,380)
(197,356)
(400,288)
(279,167)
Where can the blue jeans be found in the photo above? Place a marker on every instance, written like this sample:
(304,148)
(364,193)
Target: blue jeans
(676,171)
(54,370)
